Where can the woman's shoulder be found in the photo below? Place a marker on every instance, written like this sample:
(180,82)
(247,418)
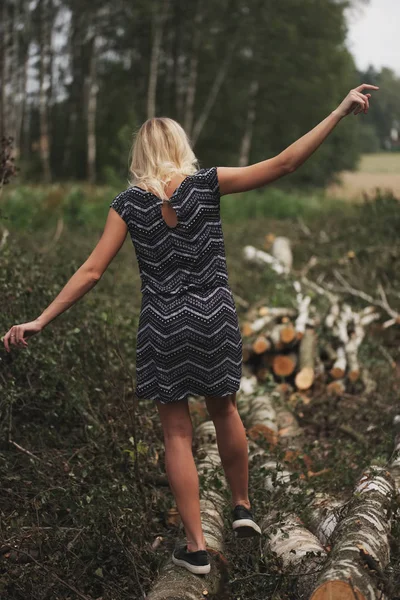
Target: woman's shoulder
(124,200)
(206,172)
(209,178)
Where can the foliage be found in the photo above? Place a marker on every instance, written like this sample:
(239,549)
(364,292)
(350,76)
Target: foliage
(384,114)
(294,50)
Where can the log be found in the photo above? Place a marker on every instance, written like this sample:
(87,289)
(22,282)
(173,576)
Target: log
(300,552)
(333,314)
(281,250)
(284,364)
(177,583)
(339,366)
(261,344)
(305,377)
(303,303)
(263,258)
(288,334)
(364,529)
(261,419)
(325,514)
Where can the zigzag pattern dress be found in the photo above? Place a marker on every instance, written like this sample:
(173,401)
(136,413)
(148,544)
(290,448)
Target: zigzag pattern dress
(188,338)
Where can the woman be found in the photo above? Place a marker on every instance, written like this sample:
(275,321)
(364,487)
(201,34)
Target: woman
(188,339)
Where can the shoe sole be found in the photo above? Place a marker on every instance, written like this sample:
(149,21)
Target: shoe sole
(245,528)
(197,569)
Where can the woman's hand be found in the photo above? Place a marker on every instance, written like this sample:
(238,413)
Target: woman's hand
(355,101)
(17,334)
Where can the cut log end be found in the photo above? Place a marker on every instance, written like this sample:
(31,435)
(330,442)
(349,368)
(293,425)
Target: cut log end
(261,344)
(337,373)
(288,334)
(284,365)
(337,590)
(304,378)
(354,375)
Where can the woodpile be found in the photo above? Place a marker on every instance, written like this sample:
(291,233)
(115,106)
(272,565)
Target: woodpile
(284,344)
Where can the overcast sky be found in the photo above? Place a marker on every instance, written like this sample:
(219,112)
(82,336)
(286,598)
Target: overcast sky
(374,35)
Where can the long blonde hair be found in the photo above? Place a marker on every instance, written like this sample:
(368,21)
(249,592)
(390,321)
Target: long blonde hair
(161,149)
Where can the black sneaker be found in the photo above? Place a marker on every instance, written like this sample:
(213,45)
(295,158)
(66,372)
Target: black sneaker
(197,562)
(243,523)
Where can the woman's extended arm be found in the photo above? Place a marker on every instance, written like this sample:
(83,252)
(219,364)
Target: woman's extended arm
(241,179)
(83,280)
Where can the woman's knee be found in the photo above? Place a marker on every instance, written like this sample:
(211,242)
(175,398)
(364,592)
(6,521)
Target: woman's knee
(176,420)
(222,406)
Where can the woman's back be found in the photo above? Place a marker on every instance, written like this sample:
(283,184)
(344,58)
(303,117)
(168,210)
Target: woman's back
(188,339)
(190,255)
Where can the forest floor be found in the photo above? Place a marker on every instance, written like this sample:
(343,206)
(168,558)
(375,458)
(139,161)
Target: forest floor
(84,493)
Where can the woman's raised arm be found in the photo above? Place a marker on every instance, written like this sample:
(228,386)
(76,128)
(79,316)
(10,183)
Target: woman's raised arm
(83,280)
(241,179)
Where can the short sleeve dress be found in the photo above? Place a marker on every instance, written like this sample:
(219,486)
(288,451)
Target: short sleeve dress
(188,338)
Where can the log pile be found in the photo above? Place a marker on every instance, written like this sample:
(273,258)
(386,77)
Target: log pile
(283,344)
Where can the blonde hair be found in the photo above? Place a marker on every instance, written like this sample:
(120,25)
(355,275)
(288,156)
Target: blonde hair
(160,150)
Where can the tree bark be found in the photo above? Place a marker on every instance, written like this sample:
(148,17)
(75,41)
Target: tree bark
(159,22)
(45,49)
(364,531)
(214,89)
(245,147)
(193,68)
(92,89)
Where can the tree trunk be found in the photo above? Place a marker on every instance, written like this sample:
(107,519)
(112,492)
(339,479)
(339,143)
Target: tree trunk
(92,89)
(244,154)
(159,21)
(193,67)
(45,49)
(4,69)
(214,89)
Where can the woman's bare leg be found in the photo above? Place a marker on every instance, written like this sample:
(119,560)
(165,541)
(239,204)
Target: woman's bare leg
(181,469)
(232,445)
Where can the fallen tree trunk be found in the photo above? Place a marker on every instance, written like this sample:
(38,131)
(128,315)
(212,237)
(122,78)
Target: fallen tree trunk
(177,583)
(362,533)
(326,512)
(299,551)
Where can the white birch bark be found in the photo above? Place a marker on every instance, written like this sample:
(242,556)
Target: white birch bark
(364,530)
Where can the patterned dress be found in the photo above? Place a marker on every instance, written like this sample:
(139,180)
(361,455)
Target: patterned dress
(188,339)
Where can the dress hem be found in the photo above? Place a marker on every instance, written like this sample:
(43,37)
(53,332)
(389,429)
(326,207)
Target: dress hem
(185,396)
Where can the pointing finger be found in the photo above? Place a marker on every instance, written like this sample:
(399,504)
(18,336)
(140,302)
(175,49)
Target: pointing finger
(367,86)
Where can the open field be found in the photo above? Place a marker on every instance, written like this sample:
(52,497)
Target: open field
(376,171)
